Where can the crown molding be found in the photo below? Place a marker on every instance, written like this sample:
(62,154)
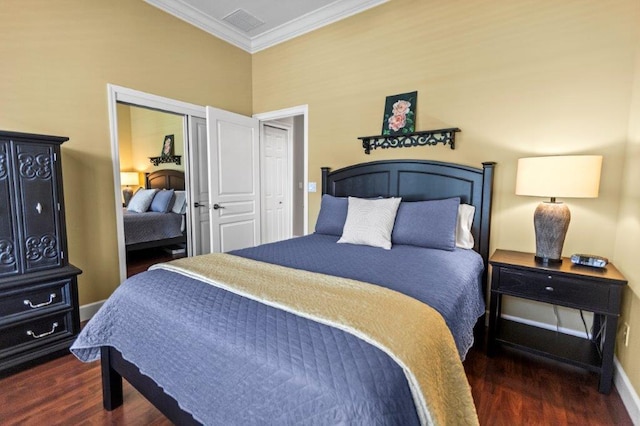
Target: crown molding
(312,21)
(192,16)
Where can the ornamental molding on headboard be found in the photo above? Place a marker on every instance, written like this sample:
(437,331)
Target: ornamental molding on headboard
(422,138)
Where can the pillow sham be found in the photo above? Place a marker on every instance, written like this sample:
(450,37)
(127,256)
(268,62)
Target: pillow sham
(179,202)
(430,224)
(332,216)
(464,237)
(162,201)
(141,200)
(370,222)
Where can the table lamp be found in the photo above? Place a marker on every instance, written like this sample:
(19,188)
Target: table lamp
(567,176)
(128,179)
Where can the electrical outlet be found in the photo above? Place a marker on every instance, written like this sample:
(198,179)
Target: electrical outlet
(625,334)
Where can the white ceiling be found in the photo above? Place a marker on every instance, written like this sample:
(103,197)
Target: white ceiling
(254,25)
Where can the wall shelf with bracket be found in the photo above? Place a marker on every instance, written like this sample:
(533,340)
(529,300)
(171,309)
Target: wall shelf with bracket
(176,159)
(422,138)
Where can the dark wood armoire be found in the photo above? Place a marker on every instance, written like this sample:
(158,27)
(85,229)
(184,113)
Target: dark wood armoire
(39,316)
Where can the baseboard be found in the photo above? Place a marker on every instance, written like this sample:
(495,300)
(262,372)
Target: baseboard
(89,310)
(627,393)
(621,381)
(546,326)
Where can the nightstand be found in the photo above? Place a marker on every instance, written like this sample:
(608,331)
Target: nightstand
(517,274)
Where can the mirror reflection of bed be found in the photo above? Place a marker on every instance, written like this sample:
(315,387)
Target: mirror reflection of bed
(155,221)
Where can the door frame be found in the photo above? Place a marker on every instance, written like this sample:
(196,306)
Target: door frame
(133,97)
(286,113)
(289,187)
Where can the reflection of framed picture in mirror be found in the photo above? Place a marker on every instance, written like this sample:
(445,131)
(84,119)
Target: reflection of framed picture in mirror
(167,146)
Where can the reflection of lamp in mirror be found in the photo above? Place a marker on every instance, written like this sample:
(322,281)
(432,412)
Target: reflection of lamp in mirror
(571,176)
(128,179)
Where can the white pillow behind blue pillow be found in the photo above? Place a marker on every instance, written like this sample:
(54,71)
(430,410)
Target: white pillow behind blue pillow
(179,202)
(141,200)
(464,237)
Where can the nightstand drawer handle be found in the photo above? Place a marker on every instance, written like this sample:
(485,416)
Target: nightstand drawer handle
(549,288)
(53,328)
(39,208)
(40,305)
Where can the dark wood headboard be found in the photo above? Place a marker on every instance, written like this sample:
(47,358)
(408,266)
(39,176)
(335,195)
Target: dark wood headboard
(165,179)
(419,180)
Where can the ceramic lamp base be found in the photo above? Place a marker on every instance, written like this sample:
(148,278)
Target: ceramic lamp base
(551,221)
(127,193)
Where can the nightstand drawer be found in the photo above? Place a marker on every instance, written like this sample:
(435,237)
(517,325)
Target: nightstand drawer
(34,300)
(36,332)
(558,290)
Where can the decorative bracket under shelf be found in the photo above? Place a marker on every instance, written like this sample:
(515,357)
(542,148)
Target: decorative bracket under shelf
(422,138)
(177,159)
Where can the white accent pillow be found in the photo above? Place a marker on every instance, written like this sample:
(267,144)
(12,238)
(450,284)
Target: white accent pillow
(141,200)
(370,222)
(464,237)
(179,202)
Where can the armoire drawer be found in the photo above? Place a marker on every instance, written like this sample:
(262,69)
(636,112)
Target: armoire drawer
(29,334)
(35,300)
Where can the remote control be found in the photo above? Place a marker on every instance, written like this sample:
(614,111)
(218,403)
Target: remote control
(589,260)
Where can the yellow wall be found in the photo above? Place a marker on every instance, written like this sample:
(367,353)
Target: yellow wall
(627,246)
(124,137)
(59,57)
(520,78)
(148,129)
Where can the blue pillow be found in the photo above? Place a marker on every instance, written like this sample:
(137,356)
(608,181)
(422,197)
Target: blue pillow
(332,216)
(430,224)
(162,201)
(141,200)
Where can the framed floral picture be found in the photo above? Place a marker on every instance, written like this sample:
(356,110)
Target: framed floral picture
(167,146)
(400,114)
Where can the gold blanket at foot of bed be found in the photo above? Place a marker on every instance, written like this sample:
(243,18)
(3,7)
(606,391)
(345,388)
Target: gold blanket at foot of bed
(412,333)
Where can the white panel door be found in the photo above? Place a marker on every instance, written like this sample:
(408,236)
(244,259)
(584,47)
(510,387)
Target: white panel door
(276,184)
(234,180)
(199,187)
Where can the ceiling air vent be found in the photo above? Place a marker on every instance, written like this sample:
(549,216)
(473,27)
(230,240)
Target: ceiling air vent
(243,20)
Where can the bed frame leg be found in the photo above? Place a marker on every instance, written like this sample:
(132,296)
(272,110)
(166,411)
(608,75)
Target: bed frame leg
(111,381)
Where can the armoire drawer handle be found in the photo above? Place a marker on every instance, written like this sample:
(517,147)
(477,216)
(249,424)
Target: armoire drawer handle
(37,336)
(39,208)
(40,305)
(549,288)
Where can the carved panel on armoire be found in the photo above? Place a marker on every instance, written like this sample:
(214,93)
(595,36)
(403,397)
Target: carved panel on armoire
(36,180)
(9,257)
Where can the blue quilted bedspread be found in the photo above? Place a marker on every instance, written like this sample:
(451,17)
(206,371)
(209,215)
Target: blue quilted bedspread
(230,360)
(150,226)
(449,282)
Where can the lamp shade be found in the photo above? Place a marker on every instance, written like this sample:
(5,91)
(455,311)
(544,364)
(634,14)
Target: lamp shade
(567,176)
(129,179)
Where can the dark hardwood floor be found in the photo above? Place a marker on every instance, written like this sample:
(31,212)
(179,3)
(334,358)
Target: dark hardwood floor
(509,389)
(139,261)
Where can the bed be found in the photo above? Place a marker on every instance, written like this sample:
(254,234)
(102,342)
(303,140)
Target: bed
(156,229)
(309,369)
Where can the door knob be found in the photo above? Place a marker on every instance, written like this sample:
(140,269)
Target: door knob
(197,204)
(217,206)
